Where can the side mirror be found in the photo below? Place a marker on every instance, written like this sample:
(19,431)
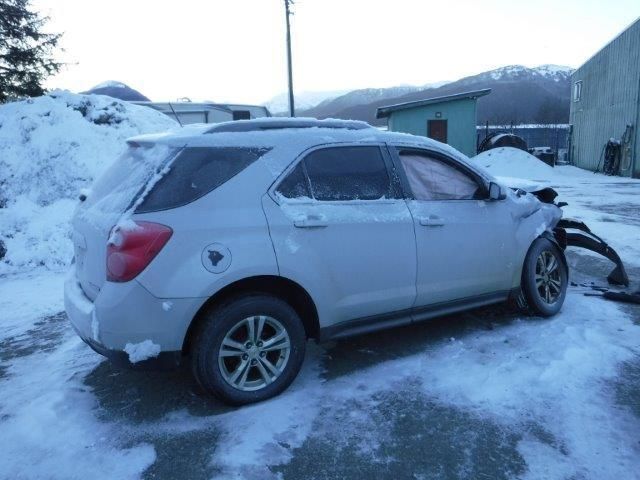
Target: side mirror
(496,192)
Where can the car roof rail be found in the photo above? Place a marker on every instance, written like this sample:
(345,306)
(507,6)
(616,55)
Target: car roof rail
(284,123)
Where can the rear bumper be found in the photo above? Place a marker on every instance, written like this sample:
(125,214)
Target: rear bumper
(127,314)
(164,360)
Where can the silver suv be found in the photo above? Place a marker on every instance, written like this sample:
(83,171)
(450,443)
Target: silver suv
(230,246)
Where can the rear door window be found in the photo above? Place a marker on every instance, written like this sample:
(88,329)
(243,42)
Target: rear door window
(348,173)
(195,172)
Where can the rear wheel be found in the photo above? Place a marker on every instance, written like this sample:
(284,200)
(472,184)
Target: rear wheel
(249,349)
(544,278)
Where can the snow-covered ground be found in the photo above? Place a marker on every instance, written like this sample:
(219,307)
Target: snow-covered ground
(610,206)
(480,395)
(52,147)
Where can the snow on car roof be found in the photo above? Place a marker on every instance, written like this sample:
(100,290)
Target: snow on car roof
(289,137)
(290,133)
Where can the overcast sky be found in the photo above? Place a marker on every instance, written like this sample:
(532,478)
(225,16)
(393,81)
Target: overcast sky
(234,50)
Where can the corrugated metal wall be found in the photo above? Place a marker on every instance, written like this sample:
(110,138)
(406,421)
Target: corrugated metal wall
(610,100)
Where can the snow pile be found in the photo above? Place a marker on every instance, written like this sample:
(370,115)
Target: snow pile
(50,148)
(519,169)
(513,162)
(142,351)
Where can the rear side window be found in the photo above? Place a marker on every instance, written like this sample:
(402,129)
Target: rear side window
(115,191)
(348,173)
(195,172)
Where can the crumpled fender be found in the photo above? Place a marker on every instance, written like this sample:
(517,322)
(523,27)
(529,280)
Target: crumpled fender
(533,217)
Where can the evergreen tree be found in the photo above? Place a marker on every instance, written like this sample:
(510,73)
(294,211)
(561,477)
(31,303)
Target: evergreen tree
(26,52)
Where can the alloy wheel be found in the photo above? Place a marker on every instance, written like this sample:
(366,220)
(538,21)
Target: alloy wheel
(254,353)
(548,279)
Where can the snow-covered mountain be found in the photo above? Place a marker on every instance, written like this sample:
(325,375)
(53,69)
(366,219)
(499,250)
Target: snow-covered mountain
(557,73)
(117,90)
(303,100)
(363,96)
(518,95)
(50,148)
(343,98)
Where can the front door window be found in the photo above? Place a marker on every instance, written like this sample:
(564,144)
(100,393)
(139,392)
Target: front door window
(433,179)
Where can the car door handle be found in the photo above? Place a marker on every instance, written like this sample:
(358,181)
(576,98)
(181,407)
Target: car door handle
(432,221)
(311,222)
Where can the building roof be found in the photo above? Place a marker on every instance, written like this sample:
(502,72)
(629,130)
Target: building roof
(385,111)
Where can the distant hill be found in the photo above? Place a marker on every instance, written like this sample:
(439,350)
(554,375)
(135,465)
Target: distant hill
(519,95)
(303,100)
(344,98)
(117,90)
(356,98)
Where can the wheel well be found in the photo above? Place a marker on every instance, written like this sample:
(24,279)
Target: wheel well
(560,242)
(553,239)
(280,287)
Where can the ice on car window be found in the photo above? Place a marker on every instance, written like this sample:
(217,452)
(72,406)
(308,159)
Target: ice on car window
(432,179)
(113,192)
(195,172)
(348,173)
(295,184)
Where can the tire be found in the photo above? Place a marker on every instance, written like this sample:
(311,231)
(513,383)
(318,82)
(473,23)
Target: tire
(544,279)
(230,361)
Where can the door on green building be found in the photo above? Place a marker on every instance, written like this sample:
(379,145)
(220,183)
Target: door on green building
(437,129)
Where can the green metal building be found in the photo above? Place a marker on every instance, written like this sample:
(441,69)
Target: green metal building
(450,119)
(605,104)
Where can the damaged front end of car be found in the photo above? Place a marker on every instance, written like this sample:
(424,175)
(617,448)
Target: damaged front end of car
(574,233)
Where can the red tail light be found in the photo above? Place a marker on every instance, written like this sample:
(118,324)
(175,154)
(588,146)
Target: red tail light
(129,251)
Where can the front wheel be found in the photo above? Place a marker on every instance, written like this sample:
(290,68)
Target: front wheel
(249,349)
(544,278)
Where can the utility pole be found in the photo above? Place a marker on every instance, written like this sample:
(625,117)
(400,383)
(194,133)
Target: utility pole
(288,13)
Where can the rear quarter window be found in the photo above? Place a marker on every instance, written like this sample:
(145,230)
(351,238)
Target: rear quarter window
(195,172)
(295,184)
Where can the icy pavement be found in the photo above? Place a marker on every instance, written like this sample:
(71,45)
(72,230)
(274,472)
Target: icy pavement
(485,394)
